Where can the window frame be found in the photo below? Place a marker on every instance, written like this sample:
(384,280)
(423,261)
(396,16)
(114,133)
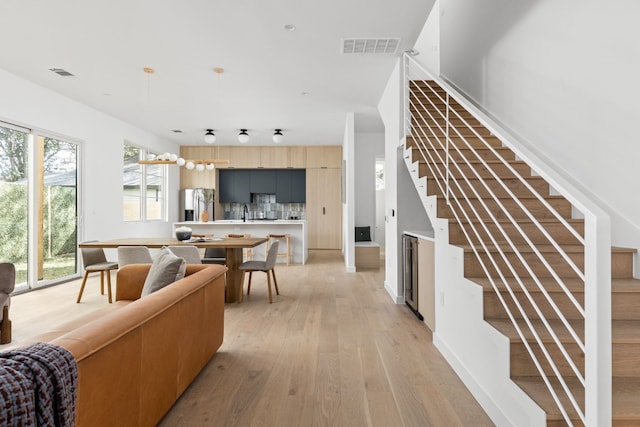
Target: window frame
(146,153)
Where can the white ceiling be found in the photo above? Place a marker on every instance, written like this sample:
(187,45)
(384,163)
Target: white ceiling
(106,45)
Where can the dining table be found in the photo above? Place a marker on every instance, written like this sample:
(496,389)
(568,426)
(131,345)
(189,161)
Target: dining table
(233,247)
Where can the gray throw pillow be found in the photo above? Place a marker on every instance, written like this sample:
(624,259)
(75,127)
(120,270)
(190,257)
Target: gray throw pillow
(166,269)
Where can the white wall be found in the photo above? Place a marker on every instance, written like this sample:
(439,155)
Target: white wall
(563,76)
(389,107)
(348,209)
(102,138)
(368,145)
(428,42)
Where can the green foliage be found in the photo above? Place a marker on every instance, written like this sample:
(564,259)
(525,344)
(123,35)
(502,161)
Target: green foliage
(13,222)
(13,154)
(59,237)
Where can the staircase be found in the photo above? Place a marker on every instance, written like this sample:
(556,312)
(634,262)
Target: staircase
(527,253)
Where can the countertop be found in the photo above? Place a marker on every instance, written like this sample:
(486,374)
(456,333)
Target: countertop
(421,234)
(239,221)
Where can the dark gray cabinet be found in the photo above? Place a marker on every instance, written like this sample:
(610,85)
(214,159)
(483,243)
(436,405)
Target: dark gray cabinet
(236,186)
(263,181)
(291,186)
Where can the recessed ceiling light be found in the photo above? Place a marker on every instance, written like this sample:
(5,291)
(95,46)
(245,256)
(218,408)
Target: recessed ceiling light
(289,27)
(176,131)
(304,93)
(148,70)
(218,70)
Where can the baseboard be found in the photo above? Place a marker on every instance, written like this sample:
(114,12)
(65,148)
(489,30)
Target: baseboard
(476,389)
(398,299)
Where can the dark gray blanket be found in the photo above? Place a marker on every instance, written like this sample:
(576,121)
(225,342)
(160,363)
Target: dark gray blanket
(38,386)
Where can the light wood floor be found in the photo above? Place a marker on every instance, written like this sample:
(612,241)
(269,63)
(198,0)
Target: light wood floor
(331,350)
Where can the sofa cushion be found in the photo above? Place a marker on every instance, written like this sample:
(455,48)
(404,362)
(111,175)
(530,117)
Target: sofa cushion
(166,269)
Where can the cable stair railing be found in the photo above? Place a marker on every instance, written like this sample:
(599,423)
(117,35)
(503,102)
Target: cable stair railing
(470,175)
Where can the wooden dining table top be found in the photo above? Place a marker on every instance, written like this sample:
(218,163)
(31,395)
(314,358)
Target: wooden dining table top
(159,242)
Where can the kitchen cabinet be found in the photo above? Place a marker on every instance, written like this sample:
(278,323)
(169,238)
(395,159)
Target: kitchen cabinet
(261,181)
(324,156)
(297,157)
(234,186)
(274,157)
(324,208)
(291,186)
(240,157)
(427,282)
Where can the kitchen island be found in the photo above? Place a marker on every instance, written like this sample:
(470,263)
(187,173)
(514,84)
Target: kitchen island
(296,229)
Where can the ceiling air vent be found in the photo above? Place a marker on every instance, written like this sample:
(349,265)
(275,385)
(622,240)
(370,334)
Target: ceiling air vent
(370,45)
(61,72)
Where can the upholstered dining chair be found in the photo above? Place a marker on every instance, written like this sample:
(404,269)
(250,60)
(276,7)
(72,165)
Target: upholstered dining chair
(215,256)
(267,266)
(191,254)
(7,285)
(133,255)
(94,261)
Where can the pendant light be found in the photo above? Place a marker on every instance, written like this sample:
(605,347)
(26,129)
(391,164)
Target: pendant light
(277,136)
(243,137)
(209,137)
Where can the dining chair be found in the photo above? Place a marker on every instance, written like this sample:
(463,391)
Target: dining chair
(267,266)
(215,256)
(133,255)
(7,285)
(94,260)
(191,254)
(286,238)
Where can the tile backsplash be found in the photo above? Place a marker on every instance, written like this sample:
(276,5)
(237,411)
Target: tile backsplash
(264,206)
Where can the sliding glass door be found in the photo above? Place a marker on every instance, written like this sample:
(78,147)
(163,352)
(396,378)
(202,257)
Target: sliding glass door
(38,208)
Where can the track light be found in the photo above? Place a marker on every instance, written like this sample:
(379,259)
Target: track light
(243,137)
(277,136)
(209,137)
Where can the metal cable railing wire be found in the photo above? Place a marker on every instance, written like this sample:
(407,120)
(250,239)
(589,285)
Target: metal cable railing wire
(513,272)
(522,311)
(518,253)
(445,190)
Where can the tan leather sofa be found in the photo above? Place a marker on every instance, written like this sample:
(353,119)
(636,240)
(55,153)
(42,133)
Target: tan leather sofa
(140,354)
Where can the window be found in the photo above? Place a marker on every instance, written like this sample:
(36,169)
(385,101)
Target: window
(38,216)
(143,186)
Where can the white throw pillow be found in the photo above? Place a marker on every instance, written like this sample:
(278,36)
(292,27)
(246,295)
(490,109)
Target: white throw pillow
(166,269)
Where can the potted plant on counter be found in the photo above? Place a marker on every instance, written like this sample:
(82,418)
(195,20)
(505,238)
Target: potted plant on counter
(205,197)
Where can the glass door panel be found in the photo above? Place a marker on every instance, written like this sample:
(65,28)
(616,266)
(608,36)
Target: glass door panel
(14,209)
(57,213)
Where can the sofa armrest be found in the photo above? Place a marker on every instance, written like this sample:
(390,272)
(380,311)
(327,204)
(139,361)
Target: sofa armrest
(130,279)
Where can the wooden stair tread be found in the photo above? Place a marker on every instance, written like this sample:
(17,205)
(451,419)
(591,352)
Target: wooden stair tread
(483,161)
(626,396)
(622,331)
(527,249)
(551,248)
(625,285)
(525,196)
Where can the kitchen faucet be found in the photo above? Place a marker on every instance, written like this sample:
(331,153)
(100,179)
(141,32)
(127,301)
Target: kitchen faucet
(245,213)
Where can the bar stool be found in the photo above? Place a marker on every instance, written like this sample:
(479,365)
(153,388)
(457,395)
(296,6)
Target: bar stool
(249,251)
(278,237)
